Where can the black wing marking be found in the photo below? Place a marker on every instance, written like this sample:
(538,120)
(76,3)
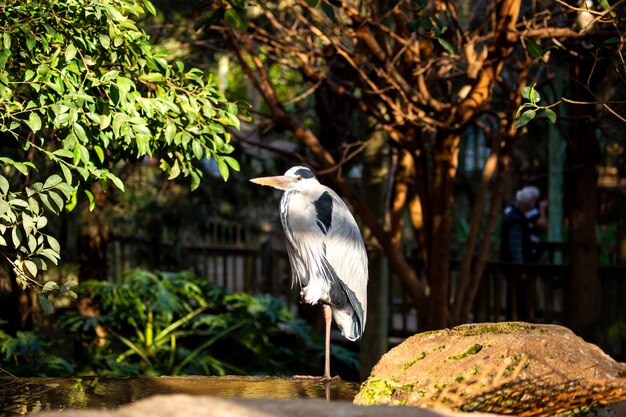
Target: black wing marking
(324,212)
(342,296)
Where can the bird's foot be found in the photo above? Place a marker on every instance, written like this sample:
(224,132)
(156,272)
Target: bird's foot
(318,378)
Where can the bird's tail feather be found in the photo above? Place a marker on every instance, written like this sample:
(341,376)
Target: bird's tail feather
(348,322)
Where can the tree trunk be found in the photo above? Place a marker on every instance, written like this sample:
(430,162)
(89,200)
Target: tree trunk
(472,238)
(582,155)
(375,180)
(21,302)
(445,165)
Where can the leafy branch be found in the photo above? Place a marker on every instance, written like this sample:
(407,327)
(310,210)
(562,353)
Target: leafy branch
(530,109)
(82,90)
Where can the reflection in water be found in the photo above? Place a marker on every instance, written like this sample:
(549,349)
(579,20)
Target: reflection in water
(32,395)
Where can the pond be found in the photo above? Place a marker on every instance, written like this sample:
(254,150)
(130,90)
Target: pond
(31,395)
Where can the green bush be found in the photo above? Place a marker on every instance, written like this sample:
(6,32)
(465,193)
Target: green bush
(169,324)
(177,323)
(28,354)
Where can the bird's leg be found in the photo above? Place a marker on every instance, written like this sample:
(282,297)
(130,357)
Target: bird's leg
(327,321)
(328,317)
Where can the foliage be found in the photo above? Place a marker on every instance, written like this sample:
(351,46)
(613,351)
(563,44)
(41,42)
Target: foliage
(82,91)
(532,106)
(176,323)
(27,353)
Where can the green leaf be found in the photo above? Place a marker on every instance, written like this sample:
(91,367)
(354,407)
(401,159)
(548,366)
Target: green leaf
(551,115)
(42,221)
(79,131)
(4,57)
(446,45)
(67,174)
(4,185)
(154,77)
(105,41)
(197,149)
(4,208)
(30,42)
(49,287)
(99,152)
(52,201)
(45,304)
(54,244)
(70,284)
(116,181)
(92,200)
(195,180)
(16,237)
(66,189)
(232,162)
(223,168)
(50,254)
(34,122)
(526,91)
(6,40)
(605,5)
(174,171)
(70,52)
(526,117)
(328,10)
(52,181)
(22,168)
(18,202)
(533,49)
(73,200)
(534,96)
(170,131)
(149,7)
(31,267)
(234,20)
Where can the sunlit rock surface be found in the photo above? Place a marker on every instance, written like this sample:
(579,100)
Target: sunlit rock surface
(496,367)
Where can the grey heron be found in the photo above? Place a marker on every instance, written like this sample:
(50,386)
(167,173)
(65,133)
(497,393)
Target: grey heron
(326,252)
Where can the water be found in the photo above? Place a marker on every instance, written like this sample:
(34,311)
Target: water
(32,395)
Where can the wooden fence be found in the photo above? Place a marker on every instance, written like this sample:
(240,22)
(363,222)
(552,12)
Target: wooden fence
(260,265)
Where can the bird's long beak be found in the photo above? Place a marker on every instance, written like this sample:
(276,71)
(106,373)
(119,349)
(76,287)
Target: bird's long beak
(281,182)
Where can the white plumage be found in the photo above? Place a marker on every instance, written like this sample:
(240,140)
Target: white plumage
(325,248)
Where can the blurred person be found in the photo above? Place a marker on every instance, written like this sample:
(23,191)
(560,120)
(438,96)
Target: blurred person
(519,244)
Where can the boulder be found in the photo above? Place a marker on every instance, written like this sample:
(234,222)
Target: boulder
(496,367)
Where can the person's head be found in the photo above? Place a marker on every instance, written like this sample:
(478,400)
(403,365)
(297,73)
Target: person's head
(527,197)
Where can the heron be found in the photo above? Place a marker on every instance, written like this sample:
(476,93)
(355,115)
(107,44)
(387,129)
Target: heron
(326,252)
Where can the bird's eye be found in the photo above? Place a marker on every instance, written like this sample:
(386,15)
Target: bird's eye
(298,178)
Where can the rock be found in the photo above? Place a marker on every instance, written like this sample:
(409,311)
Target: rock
(463,367)
(181,405)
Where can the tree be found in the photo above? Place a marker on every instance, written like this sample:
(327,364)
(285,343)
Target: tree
(424,72)
(81,92)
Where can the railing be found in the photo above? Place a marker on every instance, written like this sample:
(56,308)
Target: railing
(262,266)
(224,258)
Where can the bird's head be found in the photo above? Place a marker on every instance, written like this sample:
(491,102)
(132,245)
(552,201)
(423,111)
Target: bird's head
(296,178)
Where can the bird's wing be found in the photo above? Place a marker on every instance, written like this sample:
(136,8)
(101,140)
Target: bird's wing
(345,252)
(324,244)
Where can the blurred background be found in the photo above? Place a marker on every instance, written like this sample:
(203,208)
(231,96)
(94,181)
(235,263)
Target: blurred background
(421,116)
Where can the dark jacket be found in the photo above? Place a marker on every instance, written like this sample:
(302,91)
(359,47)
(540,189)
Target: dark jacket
(515,242)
